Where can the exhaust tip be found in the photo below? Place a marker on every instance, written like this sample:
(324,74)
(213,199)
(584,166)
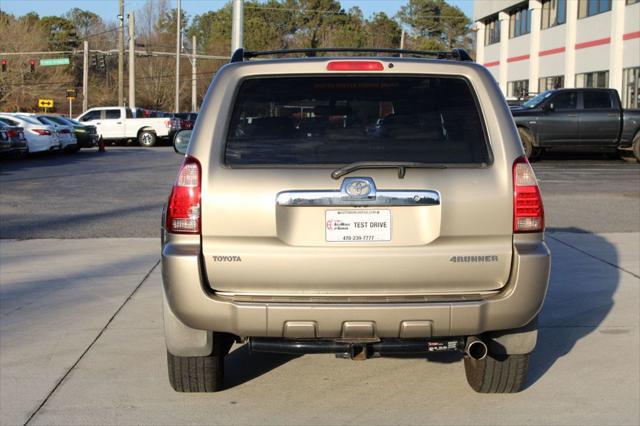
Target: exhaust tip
(476,349)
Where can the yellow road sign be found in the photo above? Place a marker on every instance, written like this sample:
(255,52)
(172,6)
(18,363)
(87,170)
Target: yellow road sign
(45,103)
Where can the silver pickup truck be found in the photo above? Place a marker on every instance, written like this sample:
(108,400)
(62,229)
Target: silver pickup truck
(362,206)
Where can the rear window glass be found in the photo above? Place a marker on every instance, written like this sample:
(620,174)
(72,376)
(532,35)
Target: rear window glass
(112,113)
(597,100)
(28,119)
(338,120)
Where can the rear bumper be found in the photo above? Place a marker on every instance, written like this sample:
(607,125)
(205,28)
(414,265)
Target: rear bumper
(87,140)
(198,308)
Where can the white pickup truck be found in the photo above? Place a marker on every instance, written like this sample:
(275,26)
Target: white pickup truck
(119,123)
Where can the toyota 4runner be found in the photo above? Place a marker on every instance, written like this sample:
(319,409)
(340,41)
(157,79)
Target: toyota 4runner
(361,206)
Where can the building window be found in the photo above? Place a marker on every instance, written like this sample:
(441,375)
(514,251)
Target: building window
(631,87)
(519,22)
(554,12)
(593,79)
(548,83)
(593,7)
(518,88)
(492,32)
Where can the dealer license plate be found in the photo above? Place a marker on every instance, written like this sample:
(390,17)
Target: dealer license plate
(357,225)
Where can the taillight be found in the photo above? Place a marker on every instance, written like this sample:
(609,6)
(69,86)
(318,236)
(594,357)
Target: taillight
(41,132)
(167,123)
(528,211)
(12,133)
(183,209)
(355,66)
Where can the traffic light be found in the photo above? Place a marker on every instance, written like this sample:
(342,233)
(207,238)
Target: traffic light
(102,65)
(32,65)
(4,65)
(94,61)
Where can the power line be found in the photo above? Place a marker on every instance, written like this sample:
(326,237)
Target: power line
(159,77)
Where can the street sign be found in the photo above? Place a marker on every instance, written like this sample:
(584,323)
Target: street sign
(45,103)
(54,61)
(72,93)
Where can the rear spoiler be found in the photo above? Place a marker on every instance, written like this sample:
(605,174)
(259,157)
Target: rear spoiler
(240,55)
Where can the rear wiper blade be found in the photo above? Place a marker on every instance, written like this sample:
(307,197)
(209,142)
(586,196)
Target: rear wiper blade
(400,165)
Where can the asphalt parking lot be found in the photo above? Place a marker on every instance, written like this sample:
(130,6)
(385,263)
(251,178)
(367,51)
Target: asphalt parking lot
(120,193)
(81,326)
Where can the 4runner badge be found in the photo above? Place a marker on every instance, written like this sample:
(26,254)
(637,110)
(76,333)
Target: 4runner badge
(473,259)
(227,259)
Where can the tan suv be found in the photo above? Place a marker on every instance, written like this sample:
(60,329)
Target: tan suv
(361,206)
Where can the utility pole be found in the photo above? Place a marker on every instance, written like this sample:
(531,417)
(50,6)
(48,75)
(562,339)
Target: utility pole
(236,25)
(194,82)
(121,55)
(85,77)
(402,41)
(132,62)
(178,37)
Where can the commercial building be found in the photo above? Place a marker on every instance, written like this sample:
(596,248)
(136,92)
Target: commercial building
(535,45)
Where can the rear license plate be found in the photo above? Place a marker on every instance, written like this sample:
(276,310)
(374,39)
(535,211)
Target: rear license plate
(357,225)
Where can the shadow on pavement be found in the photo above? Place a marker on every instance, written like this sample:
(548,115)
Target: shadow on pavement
(242,366)
(16,226)
(579,155)
(41,161)
(579,298)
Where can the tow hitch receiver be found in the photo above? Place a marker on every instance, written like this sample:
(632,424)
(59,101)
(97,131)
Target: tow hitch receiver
(356,350)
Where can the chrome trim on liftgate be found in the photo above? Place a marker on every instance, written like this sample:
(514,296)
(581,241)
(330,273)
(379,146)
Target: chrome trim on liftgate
(367,195)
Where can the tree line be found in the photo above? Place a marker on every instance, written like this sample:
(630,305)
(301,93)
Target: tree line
(272,24)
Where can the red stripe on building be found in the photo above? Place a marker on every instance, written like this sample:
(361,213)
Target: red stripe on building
(629,36)
(592,43)
(551,51)
(518,58)
(492,64)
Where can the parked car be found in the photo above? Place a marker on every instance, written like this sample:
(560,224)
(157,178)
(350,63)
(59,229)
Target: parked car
(66,132)
(12,141)
(118,123)
(86,135)
(591,119)
(40,137)
(296,232)
(182,121)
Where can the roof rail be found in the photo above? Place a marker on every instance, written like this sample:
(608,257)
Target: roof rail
(240,55)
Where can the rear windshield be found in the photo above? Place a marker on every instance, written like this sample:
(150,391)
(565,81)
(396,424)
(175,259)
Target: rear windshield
(338,120)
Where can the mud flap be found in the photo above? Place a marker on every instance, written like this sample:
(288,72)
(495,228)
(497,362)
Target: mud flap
(519,341)
(182,340)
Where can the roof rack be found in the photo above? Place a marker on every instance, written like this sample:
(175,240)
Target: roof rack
(240,55)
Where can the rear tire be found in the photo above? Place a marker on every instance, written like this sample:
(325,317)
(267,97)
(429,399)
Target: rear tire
(196,373)
(497,373)
(527,143)
(200,373)
(147,138)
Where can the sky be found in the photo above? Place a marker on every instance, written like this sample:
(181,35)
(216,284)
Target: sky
(108,9)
